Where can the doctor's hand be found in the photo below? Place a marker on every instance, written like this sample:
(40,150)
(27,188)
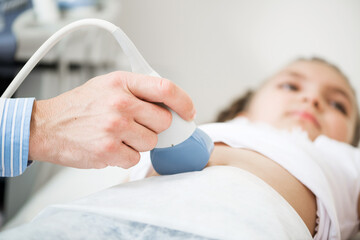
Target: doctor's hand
(105,122)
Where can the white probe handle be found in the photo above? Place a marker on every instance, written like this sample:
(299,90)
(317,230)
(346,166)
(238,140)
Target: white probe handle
(179,129)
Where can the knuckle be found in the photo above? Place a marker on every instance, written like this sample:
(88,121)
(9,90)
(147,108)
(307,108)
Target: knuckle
(110,145)
(124,123)
(116,79)
(121,102)
(166,87)
(111,124)
(116,123)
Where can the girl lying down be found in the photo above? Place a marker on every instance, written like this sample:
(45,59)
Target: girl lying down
(285,166)
(320,180)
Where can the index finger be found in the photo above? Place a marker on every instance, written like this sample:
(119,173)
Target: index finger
(161,90)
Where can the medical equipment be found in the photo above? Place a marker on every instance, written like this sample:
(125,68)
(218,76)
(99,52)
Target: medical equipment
(9,12)
(181,148)
(46,11)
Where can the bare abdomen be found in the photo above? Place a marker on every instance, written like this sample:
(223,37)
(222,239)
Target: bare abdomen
(291,189)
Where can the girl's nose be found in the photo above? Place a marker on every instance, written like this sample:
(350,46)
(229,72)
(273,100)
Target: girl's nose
(313,99)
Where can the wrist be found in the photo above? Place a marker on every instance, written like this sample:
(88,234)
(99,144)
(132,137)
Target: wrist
(38,137)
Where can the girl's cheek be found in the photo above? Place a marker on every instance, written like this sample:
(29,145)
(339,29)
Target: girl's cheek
(339,130)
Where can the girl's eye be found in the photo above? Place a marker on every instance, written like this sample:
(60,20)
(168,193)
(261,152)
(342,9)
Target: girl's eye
(339,106)
(289,86)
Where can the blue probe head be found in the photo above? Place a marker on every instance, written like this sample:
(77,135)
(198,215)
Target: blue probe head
(190,155)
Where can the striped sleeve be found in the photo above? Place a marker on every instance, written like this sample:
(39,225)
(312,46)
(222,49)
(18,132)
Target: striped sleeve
(15,116)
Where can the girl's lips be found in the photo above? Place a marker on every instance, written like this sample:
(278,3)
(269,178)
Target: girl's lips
(307,116)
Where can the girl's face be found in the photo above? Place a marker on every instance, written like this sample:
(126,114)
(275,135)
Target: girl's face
(310,95)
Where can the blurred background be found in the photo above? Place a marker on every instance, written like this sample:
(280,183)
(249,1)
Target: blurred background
(213,49)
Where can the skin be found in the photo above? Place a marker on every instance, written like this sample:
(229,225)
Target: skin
(309,95)
(105,122)
(306,94)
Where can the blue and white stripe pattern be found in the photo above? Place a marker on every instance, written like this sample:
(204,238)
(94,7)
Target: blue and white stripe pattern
(15,116)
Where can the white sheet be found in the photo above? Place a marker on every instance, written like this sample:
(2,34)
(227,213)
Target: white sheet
(218,202)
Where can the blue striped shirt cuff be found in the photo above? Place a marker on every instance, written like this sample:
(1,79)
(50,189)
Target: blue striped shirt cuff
(15,115)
